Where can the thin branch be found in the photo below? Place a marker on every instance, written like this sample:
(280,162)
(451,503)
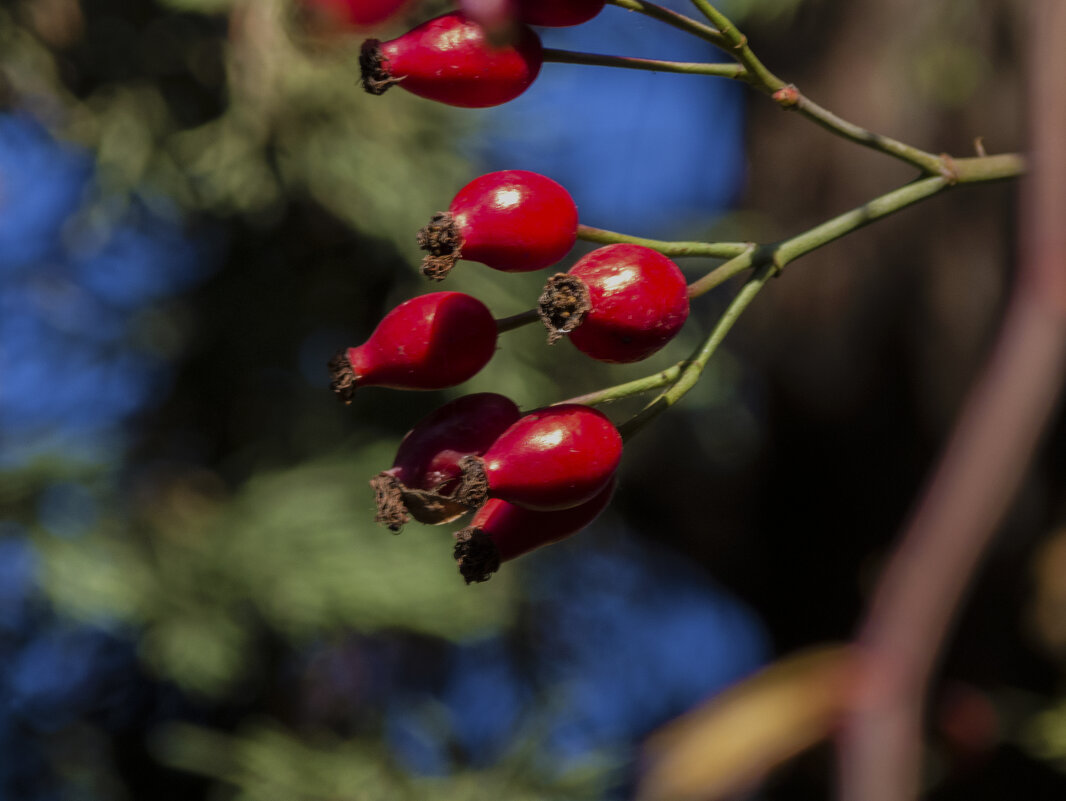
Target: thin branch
(985,462)
(719,70)
(679,21)
(769,260)
(715,250)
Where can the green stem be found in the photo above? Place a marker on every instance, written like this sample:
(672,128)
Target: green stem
(516,321)
(792,98)
(723,272)
(693,367)
(651,65)
(635,387)
(769,260)
(715,250)
(679,21)
(737,47)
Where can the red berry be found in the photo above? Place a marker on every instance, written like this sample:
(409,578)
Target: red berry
(429,342)
(513,220)
(352,13)
(620,303)
(558,13)
(501,531)
(555,458)
(425,473)
(450,59)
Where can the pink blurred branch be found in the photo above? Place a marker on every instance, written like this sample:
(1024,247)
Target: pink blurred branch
(985,461)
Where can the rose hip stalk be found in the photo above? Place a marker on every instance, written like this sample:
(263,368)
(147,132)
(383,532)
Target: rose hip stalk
(429,342)
(425,473)
(450,59)
(620,303)
(512,220)
(552,459)
(501,531)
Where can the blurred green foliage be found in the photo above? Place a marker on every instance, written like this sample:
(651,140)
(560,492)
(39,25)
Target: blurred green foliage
(294,549)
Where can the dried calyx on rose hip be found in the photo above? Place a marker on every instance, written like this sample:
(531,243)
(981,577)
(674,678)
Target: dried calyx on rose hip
(501,531)
(619,303)
(450,59)
(555,458)
(426,472)
(512,220)
(429,342)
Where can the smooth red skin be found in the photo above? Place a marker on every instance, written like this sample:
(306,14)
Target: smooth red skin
(639,302)
(515,220)
(449,59)
(555,458)
(516,530)
(558,13)
(428,457)
(429,342)
(358,13)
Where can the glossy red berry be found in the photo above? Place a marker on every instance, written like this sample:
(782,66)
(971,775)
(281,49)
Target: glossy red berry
(429,342)
(558,13)
(620,303)
(501,531)
(512,220)
(450,59)
(426,472)
(554,458)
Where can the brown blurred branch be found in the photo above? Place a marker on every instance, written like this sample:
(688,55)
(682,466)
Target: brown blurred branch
(982,467)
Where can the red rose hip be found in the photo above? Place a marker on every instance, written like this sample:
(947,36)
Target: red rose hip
(555,458)
(512,220)
(501,531)
(425,473)
(558,13)
(620,303)
(450,59)
(429,342)
(350,13)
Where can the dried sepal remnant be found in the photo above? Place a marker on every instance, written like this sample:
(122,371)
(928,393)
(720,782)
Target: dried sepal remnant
(563,305)
(443,243)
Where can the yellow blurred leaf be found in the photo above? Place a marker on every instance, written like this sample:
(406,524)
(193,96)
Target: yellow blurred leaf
(730,742)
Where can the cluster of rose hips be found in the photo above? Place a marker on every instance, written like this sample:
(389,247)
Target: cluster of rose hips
(531,478)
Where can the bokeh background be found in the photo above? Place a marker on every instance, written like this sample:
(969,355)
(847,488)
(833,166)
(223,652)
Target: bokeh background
(199,205)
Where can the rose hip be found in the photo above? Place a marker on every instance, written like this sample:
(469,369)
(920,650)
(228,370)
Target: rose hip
(619,303)
(512,220)
(501,531)
(425,473)
(558,13)
(429,342)
(450,59)
(555,458)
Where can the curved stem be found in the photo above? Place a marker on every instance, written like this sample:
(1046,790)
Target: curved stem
(693,367)
(716,250)
(737,47)
(651,65)
(769,260)
(679,21)
(629,388)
